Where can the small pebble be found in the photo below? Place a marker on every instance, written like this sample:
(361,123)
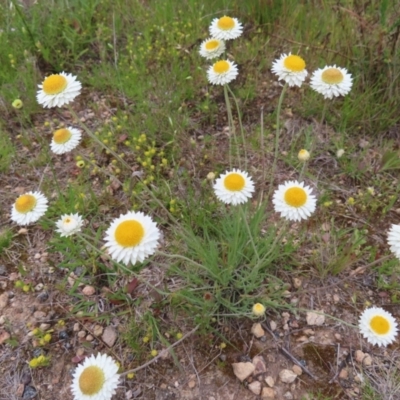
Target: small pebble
(88,290)
(63,335)
(80,352)
(98,330)
(297,370)
(37,352)
(29,393)
(39,287)
(42,297)
(39,315)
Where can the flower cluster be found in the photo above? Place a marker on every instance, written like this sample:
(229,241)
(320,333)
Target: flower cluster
(40,361)
(221,29)
(330,81)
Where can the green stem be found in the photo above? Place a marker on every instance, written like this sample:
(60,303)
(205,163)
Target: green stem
(277,132)
(241,126)
(277,238)
(249,232)
(16,6)
(231,128)
(313,143)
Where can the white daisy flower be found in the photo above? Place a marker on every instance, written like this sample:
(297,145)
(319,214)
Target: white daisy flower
(222,72)
(132,237)
(234,187)
(58,89)
(65,140)
(258,309)
(378,326)
(95,379)
(212,48)
(394,240)
(225,28)
(331,81)
(28,208)
(290,68)
(69,224)
(294,201)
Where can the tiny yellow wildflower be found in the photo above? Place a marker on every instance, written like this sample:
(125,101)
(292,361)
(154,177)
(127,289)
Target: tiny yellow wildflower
(17,103)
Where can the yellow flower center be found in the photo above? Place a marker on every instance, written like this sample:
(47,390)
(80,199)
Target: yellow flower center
(234,182)
(332,76)
(295,197)
(91,380)
(62,136)
(294,63)
(67,220)
(379,325)
(220,67)
(212,44)
(25,203)
(129,233)
(226,23)
(54,84)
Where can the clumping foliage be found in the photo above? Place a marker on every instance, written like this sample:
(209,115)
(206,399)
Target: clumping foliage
(196,171)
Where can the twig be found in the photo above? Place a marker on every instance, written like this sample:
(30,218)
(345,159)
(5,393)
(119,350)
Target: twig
(287,354)
(340,366)
(161,353)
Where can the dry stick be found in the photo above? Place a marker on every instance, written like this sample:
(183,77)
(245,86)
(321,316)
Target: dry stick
(288,355)
(131,371)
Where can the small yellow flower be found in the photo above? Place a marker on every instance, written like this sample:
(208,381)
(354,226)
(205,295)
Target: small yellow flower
(179,335)
(258,309)
(222,346)
(154,353)
(33,363)
(339,153)
(327,203)
(47,338)
(80,164)
(36,331)
(19,284)
(351,201)
(17,103)
(26,288)
(371,191)
(130,376)
(303,155)
(211,176)
(146,339)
